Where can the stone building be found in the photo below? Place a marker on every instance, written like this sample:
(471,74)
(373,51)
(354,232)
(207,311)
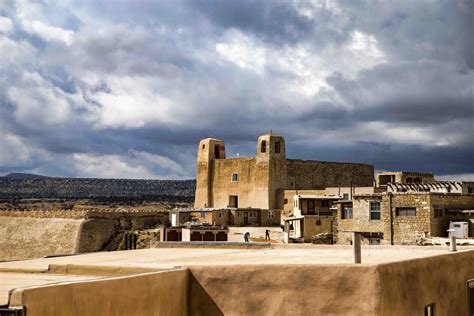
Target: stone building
(260,181)
(403,217)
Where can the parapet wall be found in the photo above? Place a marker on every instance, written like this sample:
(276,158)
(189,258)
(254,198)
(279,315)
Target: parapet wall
(155,293)
(284,290)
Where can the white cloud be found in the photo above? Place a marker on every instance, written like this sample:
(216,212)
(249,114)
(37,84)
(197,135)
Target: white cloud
(365,50)
(109,166)
(135,165)
(243,51)
(49,33)
(6,25)
(132,102)
(38,100)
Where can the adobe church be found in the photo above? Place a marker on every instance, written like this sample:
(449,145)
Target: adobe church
(261,181)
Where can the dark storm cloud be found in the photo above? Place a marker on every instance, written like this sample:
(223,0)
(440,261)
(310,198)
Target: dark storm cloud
(131,87)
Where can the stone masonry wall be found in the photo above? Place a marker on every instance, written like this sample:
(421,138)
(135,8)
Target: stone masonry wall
(360,219)
(407,228)
(309,174)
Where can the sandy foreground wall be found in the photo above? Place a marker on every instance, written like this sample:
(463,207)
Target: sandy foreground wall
(393,289)
(398,288)
(156,293)
(28,237)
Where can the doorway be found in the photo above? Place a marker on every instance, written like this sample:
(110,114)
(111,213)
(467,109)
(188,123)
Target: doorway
(246,218)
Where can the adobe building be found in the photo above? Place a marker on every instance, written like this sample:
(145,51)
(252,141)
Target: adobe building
(260,181)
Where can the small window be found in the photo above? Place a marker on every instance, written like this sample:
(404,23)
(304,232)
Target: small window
(438,212)
(277,147)
(263,146)
(203,146)
(374,210)
(233,201)
(324,203)
(345,196)
(346,211)
(285,201)
(430,310)
(235,177)
(270,214)
(203,214)
(217,151)
(405,211)
(221,215)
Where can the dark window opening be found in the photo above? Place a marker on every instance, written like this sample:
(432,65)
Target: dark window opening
(438,212)
(233,201)
(277,147)
(405,211)
(235,177)
(203,146)
(285,201)
(310,207)
(263,146)
(324,203)
(217,151)
(346,211)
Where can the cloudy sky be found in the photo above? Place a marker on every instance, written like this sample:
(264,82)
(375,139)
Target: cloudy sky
(126,89)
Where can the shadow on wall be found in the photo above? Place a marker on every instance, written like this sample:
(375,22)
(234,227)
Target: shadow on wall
(204,302)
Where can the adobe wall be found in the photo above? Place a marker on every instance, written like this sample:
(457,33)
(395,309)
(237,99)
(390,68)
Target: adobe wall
(284,290)
(251,187)
(156,293)
(311,227)
(408,286)
(27,237)
(309,174)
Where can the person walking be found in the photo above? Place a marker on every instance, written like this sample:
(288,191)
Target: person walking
(246,236)
(267,234)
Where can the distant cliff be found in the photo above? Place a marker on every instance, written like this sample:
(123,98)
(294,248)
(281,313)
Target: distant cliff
(46,187)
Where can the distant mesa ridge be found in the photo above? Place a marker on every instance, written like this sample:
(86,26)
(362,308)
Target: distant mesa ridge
(19,175)
(23,185)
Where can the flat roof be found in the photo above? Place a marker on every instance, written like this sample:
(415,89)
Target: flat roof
(25,273)
(165,258)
